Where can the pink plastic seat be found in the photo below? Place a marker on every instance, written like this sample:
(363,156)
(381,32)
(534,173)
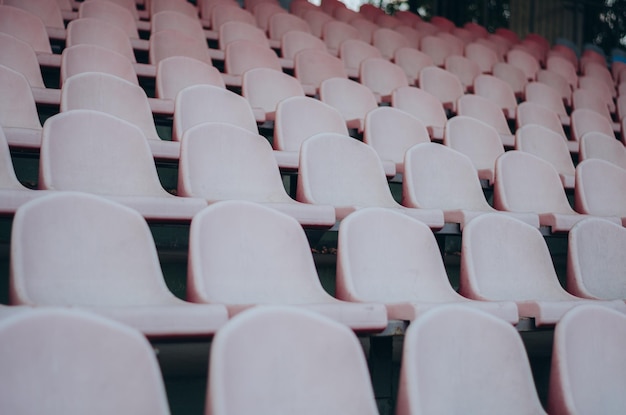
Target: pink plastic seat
(242,55)
(457,44)
(235,30)
(353,51)
(198,104)
(585,376)
(485,110)
(390,258)
(547,96)
(130,6)
(316,20)
(600,71)
(438,177)
(585,120)
(112,95)
(18,112)
(294,41)
(427,28)
(264,11)
(526,183)
(347,174)
(167,43)
(437,48)
(47,10)
(227,12)
(412,61)
(281,23)
(599,189)
(549,146)
(469,346)
(382,77)
(596,145)
(53,351)
(298,118)
(175,20)
(557,82)
(593,100)
(443,84)
(423,106)
(391,132)
(524,61)
(478,141)
(86,57)
(278,267)
(312,66)
(563,67)
(479,30)
(179,6)
(504,259)
(535,113)
(412,35)
(443,23)
(513,76)
(26,27)
(178,72)
(100,32)
(388,40)
(264,88)
(464,68)
(365,27)
(334,32)
(224,162)
(274,360)
(352,99)
(113,271)
(113,13)
(497,91)
(485,57)
(599,87)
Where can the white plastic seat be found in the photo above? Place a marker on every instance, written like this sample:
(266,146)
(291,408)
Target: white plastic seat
(85,57)
(107,93)
(388,40)
(504,259)
(274,266)
(295,41)
(412,61)
(596,145)
(438,177)
(352,99)
(465,69)
(281,23)
(316,20)
(198,104)
(549,146)
(599,189)
(412,35)
(182,7)
(535,113)
(334,32)
(243,55)
(353,51)
(94,152)
(26,27)
(424,106)
(275,360)
(264,88)
(264,11)
(485,57)
(365,27)
(228,12)
(585,120)
(563,67)
(93,31)
(312,66)
(547,96)
(224,162)
(343,172)
(168,43)
(524,61)
(485,110)
(497,91)
(113,271)
(599,87)
(443,84)
(513,76)
(558,82)
(391,132)
(382,77)
(112,12)
(592,100)
(387,257)
(178,72)
(436,47)
(54,351)
(587,375)
(175,20)
(526,183)
(459,360)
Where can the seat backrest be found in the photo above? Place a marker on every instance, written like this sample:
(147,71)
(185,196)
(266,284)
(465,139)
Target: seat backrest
(312,66)
(182,7)
(113,13)
(198,104)
(235,30)
(178,72)
(316,20)
(412,61)
(173,20)
(512,75)
(547,145)
(47,10)
(503,258)
(412,35)
(114,261)
(93,58)
(26,27)
(168,43)
(282,23)
(17,105)
(599,87)
(55,350)
(591,99)
(253,233)
(464,68)
(242,55)
(563,67)
(482,55)
(435,47)
(296,40)
(335,32)
(534,113)
(264,88)
(525,61)
(112,95)
(439,177)
(298,118)
(352,99)
(602,146)
(130,5)
(586,376)
(584,120)
(230,11)
(221,161)
(101,33)
(598,190)
(391,132)
(95,152)
(353,51)
(526,183)
(456,43)
(8,179)
(264,11)
(546,96)
(497,91)
(482,359)
(388,40)
(288,345)
(485,110)
(595,263)
(339,170)
(444,85)
(365,27)
(557,82)
(21,57)
(421,104)
(382,76)
(477,140)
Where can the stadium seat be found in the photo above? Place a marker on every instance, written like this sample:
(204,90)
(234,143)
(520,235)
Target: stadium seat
(26,27)
(242,55)
(535,113)
(587,376)
(601,72)
(343,172)
(387,257)
(388,41)
(464,68)
(438,177)
(100,32)
(422,105)
(227,12)
(316,20)
(281,23)
(482,55)
(443,84)
(235,30)
(596,145)
(334,32)
(391,132)
(457,44)
(224,162)
(513,76)
(547,96)
(483,109)
(312,66)
(412,61)
(382,77)
(586,120)
(443,23)
(198,104)
(182,7)
(504,259)
(557,82)
(497,91)
(275,265)
(175,73)
(48,11)
(549,146)
(524,61)
(411,34)
(599,87)
(113,13)
(563,67)
(167,43)
(437,48)
(264,88)
(456,359)
(352,99)
(592,100)
(55,351)
(113,271)
(283,360)
(477,140)
(294,41)
(527,183)
(264,11)
(598,192)
(365,27)
(175,20)
(86,57)
(352,52)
